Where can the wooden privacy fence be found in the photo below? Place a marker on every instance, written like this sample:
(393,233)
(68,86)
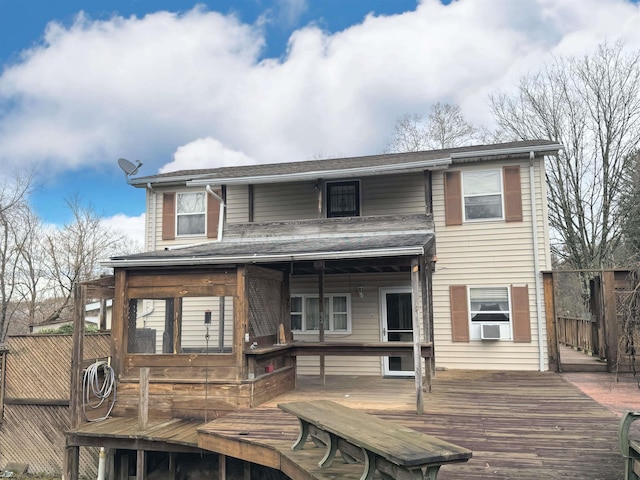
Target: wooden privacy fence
(37,371)
(578,333)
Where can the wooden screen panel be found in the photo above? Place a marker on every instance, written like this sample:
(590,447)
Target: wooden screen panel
(521,314)
(459,313)
(453,198)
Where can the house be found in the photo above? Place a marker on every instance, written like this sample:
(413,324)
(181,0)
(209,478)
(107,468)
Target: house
(476,215)
(384,265)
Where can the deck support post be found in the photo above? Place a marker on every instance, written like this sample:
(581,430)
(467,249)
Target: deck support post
(416,320)
(71,463)
(247,470)
(222,467)
(141,465)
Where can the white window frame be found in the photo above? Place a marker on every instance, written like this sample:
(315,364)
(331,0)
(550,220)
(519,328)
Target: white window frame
(485,194)
(475,326)
(203,213)
(329,329)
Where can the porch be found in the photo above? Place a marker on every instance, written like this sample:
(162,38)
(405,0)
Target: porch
(525,425)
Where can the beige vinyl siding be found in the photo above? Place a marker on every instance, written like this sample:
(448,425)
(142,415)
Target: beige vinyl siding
(491,253)
(151,315)
(237,210)
(285,201)
(194,329)
(393,194)
(365,316)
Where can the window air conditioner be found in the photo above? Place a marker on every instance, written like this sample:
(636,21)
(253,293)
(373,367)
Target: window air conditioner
(490,332)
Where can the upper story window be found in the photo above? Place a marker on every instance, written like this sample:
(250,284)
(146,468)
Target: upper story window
(305,313)
(482,191)
(343,199)
(476,195)
(191,213)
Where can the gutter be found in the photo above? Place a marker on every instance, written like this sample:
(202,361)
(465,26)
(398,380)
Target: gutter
(326,174)
(255,258)
(221,214)
(507,151)
(152,209)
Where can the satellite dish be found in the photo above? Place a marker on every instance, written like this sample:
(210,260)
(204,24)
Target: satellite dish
(129,168)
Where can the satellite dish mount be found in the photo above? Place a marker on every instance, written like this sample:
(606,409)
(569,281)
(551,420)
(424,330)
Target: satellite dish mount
(129,168)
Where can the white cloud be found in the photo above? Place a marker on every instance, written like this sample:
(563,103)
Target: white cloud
(142,87)
(131,227)
(205,153)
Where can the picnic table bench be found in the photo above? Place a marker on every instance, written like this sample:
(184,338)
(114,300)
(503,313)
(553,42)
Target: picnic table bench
(395,451)
(629,447)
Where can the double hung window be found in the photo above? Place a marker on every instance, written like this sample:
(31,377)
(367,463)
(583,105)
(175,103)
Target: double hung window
(482,191)
(191,213)
(305,313)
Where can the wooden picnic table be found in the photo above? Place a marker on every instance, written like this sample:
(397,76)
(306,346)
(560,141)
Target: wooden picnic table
(395,451)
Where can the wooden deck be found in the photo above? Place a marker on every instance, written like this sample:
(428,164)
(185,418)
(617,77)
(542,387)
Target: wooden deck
(519,425)
(573,360)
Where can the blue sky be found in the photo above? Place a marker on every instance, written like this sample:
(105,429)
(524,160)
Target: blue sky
(178,84)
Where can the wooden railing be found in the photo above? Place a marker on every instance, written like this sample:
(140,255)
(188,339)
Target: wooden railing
(578,333)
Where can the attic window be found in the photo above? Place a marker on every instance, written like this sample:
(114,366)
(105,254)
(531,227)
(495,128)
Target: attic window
(343,199)
(190,213)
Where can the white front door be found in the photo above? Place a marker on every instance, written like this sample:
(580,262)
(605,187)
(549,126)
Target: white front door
(397,326)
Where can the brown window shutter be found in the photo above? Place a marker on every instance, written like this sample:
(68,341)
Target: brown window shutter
(459,313)
(512,193)
(168,216)
(213,214)
(521,314)
(452,198)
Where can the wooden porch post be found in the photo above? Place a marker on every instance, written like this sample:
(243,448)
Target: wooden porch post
(416,320)
(321,316)
(611,326)
(550,314)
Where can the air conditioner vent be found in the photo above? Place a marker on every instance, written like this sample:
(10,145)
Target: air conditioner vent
(490,332)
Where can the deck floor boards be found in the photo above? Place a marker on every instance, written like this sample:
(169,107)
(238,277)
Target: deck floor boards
(519,425)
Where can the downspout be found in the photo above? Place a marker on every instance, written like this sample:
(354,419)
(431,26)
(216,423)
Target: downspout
(221,216)
(536,259)
(152,214)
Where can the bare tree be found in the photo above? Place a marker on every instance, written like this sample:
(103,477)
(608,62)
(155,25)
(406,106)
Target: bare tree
(13,207)
(444,127)
(631,208)
(592,106)
(74,252)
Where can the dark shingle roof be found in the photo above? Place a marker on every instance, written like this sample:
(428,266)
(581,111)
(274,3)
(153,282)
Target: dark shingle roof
(341,163)
(300,240)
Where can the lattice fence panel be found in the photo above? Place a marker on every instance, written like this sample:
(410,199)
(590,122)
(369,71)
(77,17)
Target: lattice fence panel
(39,366)
(34,435)
(264,306)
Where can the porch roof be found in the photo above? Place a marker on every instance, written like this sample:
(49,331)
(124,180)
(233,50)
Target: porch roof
(326,239)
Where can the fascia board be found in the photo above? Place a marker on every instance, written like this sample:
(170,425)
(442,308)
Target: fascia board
(281,257)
